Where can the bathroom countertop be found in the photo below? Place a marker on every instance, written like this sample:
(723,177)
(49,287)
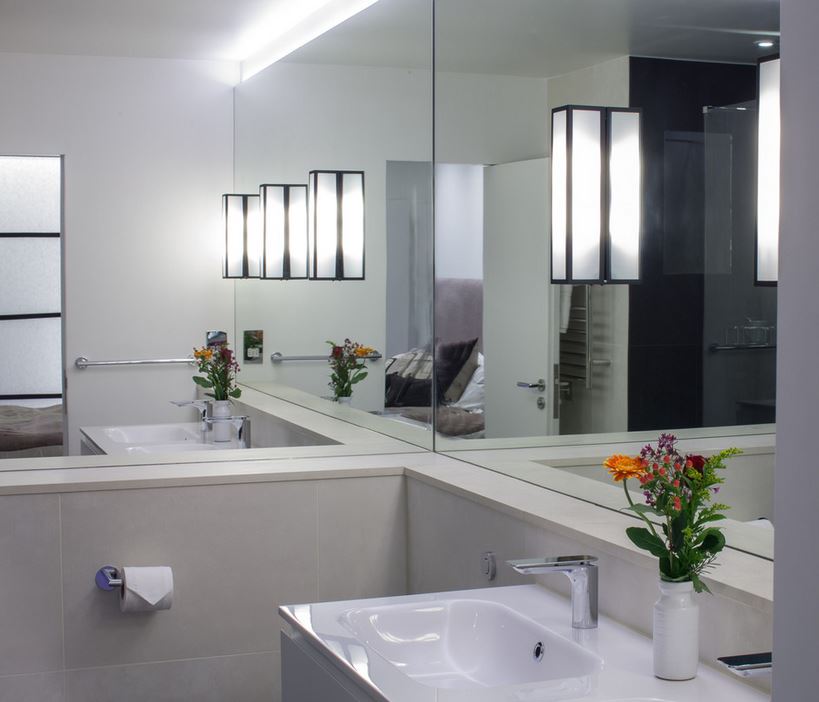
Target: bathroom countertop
(626,674)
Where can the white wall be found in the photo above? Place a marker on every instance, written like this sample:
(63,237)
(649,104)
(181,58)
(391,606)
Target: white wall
(796,607)
(148,152)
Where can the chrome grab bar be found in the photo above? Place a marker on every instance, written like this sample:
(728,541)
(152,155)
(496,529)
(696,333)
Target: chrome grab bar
(82,362)
(278,357)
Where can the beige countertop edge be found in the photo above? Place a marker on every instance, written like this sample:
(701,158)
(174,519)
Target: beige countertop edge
(182,475)
(741,577)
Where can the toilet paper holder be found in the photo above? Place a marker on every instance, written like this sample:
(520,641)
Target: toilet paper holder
(108,578)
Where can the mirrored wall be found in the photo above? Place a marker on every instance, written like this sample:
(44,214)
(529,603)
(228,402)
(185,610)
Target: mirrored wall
(562,367)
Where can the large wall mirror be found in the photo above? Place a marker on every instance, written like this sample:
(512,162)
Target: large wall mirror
(358,98)
(557,370)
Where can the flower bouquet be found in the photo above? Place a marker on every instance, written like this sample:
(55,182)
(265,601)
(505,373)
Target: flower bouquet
(679,514)
(679,530)
(219,367)
(347,366)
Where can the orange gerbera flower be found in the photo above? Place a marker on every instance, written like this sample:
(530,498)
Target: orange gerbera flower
(363,351)
(622,467)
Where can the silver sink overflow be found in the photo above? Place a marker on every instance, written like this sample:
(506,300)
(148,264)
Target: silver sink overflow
(540,649)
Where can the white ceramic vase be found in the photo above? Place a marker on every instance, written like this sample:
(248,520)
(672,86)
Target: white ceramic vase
(222,431)
(676,632)
(344,400)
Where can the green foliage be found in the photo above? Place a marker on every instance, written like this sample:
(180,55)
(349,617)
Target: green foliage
(679,514)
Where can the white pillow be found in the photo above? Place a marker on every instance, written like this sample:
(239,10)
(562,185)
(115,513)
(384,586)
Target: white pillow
(473,398)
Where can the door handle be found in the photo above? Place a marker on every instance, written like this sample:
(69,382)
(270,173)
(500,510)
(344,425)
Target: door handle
(540,385)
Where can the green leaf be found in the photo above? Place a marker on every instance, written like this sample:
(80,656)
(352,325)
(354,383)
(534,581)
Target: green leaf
(202,382)
(236,392)
(358,378)
(678,524)
(644,539)
(712,541)
(710,518)
(699,585)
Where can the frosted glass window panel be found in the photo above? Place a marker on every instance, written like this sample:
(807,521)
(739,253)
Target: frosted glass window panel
(352,232)
(559,194)
(325,225)
(30,194)
(30,356)
(625,184)
(586,203)
(768,170)
(297,212)
(29,275)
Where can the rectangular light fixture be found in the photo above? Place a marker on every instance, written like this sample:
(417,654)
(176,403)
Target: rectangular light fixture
(336,225)
(289,26)
(243,236)
(768,174)
(596,194)
(284,226)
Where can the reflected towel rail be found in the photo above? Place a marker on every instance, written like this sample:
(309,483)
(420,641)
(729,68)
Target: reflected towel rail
(278,357)
(740,347)
(82,362)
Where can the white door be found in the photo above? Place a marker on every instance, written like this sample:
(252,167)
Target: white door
(520,339)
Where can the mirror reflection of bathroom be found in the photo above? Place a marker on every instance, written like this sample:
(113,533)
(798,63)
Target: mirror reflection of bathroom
(691,343)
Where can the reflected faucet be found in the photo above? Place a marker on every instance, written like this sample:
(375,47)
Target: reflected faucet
(582,573)
(202,405)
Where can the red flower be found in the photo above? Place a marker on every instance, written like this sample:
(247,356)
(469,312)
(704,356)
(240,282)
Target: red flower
(662,471)
(337,352)
(696,462)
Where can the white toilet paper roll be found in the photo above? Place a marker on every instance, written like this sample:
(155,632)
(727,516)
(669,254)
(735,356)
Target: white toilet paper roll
(146,588)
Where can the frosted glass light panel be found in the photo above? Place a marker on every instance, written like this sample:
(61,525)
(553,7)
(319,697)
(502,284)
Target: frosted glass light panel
(768,174)
(336,223)
(577,194)
(560,178)
(624,195)
(30,194)
(241,216)
(284,223)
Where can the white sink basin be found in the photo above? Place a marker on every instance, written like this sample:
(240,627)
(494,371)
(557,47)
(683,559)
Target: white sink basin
(181,446)
(460,643)
(153,434)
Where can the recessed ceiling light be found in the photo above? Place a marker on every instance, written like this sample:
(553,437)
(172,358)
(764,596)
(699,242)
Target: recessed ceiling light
(765,43)
(292,24)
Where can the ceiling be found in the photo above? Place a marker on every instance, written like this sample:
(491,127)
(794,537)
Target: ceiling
(509,37)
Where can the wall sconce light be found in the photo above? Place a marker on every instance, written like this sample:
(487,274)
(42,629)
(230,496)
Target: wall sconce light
(596,194)
(336,225)
(284,227)
(768,174)
(243,236)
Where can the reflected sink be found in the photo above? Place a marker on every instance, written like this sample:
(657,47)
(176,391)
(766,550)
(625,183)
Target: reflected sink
(181,446)
(153,434)
(463,643)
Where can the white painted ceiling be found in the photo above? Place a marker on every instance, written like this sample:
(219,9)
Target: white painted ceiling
(512,37)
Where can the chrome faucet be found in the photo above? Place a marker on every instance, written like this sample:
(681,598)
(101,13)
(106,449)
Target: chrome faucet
(240,422)
(202,405)
(582,573)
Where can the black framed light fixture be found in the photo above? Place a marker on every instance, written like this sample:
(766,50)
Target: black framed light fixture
(596,194)
(766,261)
(284,231)
(241,216)
(336,225)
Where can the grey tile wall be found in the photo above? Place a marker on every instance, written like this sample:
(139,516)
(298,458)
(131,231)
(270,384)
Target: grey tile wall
(238,551)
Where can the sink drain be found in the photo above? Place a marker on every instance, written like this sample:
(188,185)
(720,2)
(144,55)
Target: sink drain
(537,654)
